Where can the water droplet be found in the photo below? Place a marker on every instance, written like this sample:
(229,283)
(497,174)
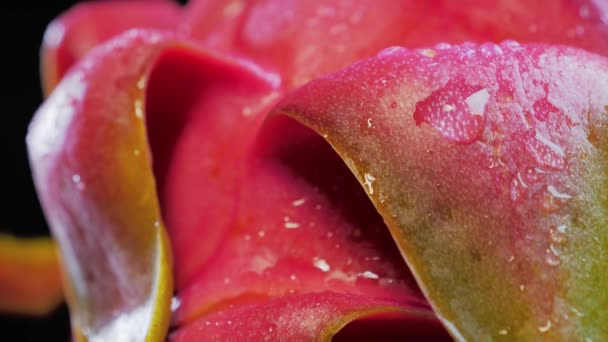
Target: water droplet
(511,258)
(369,275)
(141,83)
(139,108)
(175,303)
(546,327)
(76,178)
(136,152)
(369,123)
(393,104)
(556,236)
(477,102)
(577,312)
(293,277)
(552,260)
(156,224)
(298,202)
(554,250)
(229,322)
(503,332)
(321,264)
(369,179)
(457,111)
(261,233)
(226,281)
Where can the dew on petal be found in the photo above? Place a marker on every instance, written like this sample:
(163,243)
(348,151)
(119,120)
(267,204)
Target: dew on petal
(321,264)
(457,111)
(545,328)
(369,275)
(369,180)
(298,202)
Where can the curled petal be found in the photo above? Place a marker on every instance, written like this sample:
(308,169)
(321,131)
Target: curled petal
(488,165)
(202,113)
(92,168)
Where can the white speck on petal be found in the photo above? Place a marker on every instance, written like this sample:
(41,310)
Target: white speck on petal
(298,202)
(369,275)
(321,264)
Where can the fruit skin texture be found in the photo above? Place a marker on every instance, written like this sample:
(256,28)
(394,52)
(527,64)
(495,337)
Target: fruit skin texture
(480,159)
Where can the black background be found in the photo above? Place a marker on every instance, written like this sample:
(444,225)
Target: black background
(22,28)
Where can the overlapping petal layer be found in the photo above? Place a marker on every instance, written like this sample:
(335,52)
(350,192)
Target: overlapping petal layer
(302,40)
(488,164)
(321,316)
(92,169)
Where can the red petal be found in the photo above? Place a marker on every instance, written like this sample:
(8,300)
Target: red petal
(315,317)
(69,37)
(488,165)
(92,169)
(298,228)
(305,39)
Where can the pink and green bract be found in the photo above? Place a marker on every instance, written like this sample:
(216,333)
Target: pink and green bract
(309,170)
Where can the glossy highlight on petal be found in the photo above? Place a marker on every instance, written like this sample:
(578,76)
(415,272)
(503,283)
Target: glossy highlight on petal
(99,194)
(30,278)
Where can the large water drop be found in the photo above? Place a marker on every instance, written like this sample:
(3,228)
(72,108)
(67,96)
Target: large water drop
(457,111)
